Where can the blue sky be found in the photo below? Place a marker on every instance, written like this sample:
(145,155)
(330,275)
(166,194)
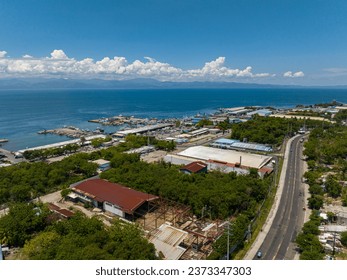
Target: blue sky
(263,41)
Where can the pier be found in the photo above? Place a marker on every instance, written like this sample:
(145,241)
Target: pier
(61,144)
(121,120)
(142,129)
(70,131)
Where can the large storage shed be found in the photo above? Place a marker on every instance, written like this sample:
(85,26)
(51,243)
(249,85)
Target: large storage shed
(114,198)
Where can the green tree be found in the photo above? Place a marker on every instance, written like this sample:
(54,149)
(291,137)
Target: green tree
(43,246)
(312,255)
(315,202)
(82,238)
(22,221)
(131,245)
(204,122)
(332,187)
(344,238)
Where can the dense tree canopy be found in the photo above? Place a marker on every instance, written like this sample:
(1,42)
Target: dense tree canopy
(51,152)
(237,230)
(326,151)
(22,222)
(82,238)
(325,146)
(25,181)
(225,194)
(307,240)
(269,130)
(344,238)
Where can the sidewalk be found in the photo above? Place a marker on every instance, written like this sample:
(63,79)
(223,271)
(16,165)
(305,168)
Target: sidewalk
(261,236)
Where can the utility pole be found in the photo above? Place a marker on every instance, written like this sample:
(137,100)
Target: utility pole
(334,243)
(228,245)
(228,240)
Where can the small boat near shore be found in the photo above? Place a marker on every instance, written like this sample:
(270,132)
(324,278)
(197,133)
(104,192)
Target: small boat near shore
(3,140)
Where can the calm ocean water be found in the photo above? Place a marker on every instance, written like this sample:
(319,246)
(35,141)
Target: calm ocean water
(24,113)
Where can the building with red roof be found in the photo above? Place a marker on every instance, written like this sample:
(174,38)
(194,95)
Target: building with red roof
(64,213)
(194,167)
(112,197)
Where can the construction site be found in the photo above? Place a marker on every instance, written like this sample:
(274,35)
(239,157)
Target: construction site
(178,234)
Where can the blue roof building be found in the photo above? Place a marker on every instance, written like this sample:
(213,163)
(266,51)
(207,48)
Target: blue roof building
(237,145)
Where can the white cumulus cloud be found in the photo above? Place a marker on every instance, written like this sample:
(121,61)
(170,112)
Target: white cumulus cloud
(2,54)
(58,54)
(290,74)
(216,68)
(58,63)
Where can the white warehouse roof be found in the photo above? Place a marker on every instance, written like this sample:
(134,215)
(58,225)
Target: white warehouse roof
(229,156)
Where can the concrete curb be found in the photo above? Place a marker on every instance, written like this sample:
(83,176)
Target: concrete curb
(261,236)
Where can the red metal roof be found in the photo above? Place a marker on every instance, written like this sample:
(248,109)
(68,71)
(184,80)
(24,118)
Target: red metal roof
(195,166)
(66,213)
(265,170)
(101,190)
(63,212)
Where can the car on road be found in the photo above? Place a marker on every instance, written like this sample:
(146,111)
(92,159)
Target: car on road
(259,254)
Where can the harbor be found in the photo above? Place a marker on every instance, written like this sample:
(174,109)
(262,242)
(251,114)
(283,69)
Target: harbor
(121,120)
(71,131)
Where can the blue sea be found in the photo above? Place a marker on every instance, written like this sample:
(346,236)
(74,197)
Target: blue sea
(25,112)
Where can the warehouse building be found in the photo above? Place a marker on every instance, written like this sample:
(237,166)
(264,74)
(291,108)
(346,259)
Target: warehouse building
(113,198)
(141,130)
(223,160)
(262,113)
(233,157)
(233,144)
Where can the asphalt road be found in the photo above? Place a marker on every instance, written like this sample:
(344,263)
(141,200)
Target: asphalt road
(279,242)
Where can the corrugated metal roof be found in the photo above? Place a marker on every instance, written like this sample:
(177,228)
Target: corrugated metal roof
(127,199)
(63,212)
(236,144)
(226,141)
(263,112)
(101,161)
(143,129)
(166,239)
(66,213)
(195,166)
(227,156)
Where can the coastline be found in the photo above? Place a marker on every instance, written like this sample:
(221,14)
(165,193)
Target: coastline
(25,112)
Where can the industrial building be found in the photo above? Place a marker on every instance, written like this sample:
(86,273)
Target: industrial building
(233,144)
(103,165)
(194,133)
(140,130)
(113,198)
(223,160)
(262,113)
(234,157)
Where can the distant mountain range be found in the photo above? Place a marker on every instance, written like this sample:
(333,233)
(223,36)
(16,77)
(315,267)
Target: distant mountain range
(44,83)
